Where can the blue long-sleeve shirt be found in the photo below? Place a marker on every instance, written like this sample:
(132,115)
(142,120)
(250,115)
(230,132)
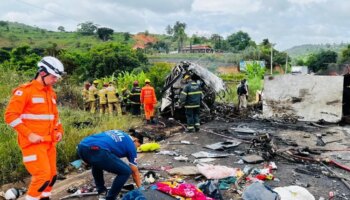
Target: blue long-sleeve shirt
(117,142)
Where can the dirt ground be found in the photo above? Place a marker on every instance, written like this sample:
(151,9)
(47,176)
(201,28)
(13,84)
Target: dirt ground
(283,135)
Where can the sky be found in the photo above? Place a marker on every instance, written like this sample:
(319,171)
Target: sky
(286,23)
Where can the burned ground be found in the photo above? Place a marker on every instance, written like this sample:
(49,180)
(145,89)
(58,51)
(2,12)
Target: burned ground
(294,152)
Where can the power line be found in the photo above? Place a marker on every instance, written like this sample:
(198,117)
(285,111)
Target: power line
(42,8)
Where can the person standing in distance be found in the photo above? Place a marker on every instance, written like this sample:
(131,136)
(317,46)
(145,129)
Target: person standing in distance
(32,112)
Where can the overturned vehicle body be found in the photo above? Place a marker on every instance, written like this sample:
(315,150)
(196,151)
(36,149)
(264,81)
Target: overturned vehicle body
(211,86)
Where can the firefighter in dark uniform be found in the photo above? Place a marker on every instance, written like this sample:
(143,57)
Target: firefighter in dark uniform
(191,97)
(135,99)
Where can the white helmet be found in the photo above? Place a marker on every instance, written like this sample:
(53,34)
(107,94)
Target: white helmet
(11,194)
(52,65)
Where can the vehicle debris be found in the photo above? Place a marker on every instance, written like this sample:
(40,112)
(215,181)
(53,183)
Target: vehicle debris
(211,86)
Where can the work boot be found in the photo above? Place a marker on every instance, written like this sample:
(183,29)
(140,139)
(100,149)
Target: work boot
(153,121)
(189,130)
(45,198)
(148,121)
(102,195)
(196,129)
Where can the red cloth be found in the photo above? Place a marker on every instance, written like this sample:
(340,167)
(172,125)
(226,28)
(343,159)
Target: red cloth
(184,190)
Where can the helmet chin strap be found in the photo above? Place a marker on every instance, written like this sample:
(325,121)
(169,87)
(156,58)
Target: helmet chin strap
(43,78)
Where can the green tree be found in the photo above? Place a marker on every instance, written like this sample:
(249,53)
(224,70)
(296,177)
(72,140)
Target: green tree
(238,41)
(4,55)
(161,46)
(179,34)
(280,58)
(299,62)
(126,36)
(254,70)
(216,39)
(109,58)
(320,61)
(266,42)
(87,28)
(146,33)
(345,55)
(104,33)
(4,24)
(53,50)
(61,29)
(169,30)
(24,59)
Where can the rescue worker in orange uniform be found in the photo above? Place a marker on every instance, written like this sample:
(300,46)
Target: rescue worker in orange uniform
(149,100)
(102,94)
(32,112)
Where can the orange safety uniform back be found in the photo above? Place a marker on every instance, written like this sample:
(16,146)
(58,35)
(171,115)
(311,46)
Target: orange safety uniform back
(148,95)
(33,109)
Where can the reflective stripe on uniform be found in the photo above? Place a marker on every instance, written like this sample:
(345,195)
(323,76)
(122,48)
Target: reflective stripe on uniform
(29,158)
(192,106)
(192,93)
(28,197)
(38,100)
(183,93)
(37,117)
(46,194)
(15,122)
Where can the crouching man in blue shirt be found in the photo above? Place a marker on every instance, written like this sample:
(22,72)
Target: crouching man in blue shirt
(103,152)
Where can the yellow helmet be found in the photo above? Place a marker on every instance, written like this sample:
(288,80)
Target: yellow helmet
(187,77)
(95,81)
(147,80)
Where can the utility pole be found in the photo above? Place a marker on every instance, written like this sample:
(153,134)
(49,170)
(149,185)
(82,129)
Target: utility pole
(271,59)
(285,70)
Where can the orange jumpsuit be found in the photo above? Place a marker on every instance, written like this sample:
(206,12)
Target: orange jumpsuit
(148,99)
(32,109)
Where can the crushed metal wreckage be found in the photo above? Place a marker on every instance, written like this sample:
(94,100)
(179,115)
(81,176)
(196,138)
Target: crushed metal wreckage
(210,83)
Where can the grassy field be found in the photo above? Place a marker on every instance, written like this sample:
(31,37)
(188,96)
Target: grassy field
(20,34)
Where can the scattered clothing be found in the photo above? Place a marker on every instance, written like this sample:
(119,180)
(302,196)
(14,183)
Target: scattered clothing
(182,190)
(217,171)
(259,191)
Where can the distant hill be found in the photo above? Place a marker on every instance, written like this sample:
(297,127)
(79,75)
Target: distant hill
(306,49)
(18,34)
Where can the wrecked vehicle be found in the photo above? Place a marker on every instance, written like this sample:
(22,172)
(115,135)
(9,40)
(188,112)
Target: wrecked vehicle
(211,84)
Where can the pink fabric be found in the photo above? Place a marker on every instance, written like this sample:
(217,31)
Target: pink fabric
(217,171)
(183,190)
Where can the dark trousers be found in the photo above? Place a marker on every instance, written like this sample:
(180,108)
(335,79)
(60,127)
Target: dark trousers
(192,116)
(101,160)
(136,109)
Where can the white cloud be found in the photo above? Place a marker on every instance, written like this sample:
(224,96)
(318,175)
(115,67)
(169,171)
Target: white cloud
(285,22)
(305,2)
(229,7)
